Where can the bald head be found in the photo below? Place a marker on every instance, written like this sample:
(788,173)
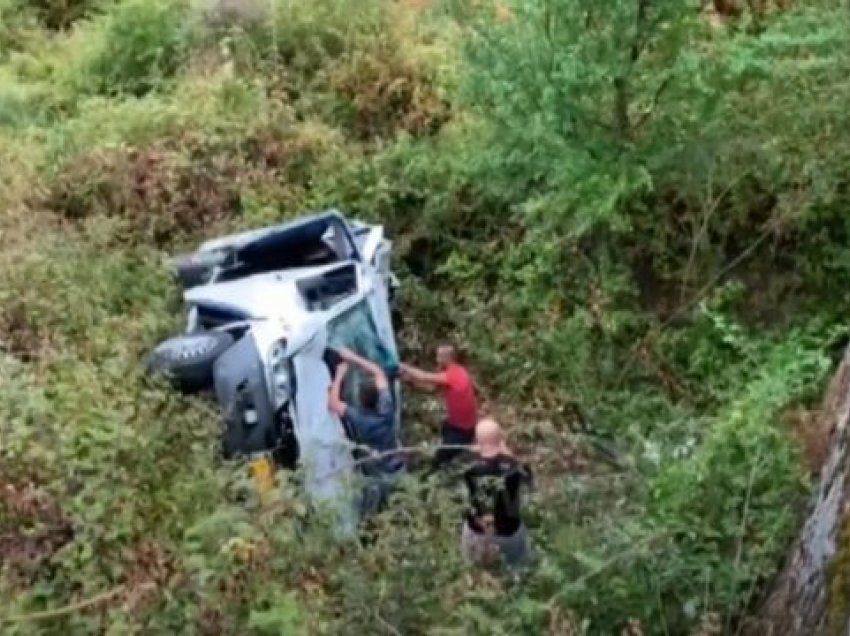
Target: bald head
(489,438)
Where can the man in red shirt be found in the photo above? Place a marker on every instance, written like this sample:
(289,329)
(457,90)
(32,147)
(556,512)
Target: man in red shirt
(459,394)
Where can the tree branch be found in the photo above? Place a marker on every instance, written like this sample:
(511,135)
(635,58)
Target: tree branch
(638,42)
(665,83)
(621,107)
(68,609)
(622,84)
(370,454)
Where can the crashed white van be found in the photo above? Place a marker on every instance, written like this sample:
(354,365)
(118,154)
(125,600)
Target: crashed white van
(264,311)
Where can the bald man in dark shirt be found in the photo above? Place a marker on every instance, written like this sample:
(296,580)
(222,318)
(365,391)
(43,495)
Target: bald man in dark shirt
(493,526)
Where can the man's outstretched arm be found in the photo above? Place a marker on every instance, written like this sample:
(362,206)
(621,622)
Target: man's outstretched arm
(368,366)
(420,376)
(335,403)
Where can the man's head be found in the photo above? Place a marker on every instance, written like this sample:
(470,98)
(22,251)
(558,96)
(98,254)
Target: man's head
(490,439)
(368,394)
(446,355)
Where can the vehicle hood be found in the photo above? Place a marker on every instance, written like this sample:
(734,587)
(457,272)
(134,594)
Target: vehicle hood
(263,296)
(271,302)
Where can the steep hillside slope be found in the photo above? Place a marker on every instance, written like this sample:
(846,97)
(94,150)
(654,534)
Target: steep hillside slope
(635,222)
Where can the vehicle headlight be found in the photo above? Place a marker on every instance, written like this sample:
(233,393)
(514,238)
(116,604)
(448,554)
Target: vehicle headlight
(279,381)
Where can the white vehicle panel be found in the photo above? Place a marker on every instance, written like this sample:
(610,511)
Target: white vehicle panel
(260,296)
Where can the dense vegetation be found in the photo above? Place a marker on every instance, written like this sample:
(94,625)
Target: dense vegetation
(633,217)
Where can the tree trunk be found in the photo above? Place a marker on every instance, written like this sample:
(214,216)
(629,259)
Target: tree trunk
(812,593)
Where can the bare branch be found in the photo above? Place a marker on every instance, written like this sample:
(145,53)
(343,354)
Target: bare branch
(622,84)
(622,123)
(665,83)
(639,41)
(68,609)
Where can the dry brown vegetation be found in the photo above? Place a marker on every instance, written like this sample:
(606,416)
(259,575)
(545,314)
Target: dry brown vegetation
(32,529)
(388,97)
(595,275)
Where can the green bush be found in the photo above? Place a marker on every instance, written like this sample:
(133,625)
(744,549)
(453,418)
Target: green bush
(643,255)
(61,14)
(284,36)
(137,46)
(15,25)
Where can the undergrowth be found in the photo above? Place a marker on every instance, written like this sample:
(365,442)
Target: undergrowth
(633,221)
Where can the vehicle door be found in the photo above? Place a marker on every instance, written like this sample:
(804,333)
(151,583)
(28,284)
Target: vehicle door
(356,329)
(376,254)
(325,452)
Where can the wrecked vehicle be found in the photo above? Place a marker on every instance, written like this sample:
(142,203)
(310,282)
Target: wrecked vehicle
(264,311)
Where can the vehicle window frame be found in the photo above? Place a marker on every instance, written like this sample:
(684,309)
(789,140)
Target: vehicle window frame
(384,353)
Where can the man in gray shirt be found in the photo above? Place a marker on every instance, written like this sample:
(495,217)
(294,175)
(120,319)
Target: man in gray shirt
(371,424)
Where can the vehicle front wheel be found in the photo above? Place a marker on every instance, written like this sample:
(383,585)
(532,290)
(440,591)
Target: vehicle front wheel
(188,360)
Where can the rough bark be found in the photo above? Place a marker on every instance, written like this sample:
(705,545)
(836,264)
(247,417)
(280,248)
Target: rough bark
(812,593)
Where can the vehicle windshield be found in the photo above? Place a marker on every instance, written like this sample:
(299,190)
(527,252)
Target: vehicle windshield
(356,330)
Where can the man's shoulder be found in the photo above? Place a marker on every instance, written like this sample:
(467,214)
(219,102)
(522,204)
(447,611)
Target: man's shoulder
(501,464)
(458,374)
(481,466)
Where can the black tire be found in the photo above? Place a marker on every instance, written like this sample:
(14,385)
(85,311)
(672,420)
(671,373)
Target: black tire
(188,360)
(195,269)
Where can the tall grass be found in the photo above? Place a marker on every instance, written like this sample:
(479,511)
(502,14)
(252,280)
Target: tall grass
(140,127)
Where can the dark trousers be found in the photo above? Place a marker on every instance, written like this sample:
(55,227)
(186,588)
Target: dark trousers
(451,436)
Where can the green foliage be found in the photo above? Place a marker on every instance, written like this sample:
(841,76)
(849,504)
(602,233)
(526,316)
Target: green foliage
(16,104)
(284,36)
(137,46)
(738,518)
(61,14)
(567,112)
(634,223)
(14,27)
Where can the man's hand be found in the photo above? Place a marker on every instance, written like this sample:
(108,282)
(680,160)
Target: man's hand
(407,372)
(368,366)
(335,402)
(421,379)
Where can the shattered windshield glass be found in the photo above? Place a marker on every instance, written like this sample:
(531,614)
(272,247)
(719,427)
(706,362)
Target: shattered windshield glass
(356,330)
